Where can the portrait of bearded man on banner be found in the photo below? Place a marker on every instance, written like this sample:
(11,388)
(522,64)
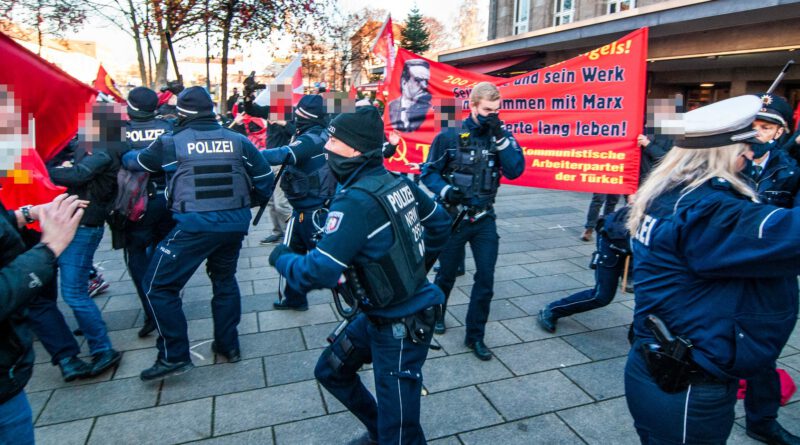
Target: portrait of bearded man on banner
(407,113)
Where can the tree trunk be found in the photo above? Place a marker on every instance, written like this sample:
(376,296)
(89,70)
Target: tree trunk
(226,40)
(137,37)
(163,62)
(208,50)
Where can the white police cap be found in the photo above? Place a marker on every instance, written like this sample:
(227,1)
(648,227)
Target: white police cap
(721,123)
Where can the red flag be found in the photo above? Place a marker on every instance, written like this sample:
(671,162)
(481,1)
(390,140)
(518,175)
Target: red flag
(353,94)
(797,118)
(106,85)
(44,105)
(293,71)
(384,47)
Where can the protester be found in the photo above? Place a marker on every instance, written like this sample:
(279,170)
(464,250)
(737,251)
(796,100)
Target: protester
(599,200)
(279,133)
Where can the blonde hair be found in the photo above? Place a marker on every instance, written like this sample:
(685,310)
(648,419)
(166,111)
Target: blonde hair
(689,169)
(484,91)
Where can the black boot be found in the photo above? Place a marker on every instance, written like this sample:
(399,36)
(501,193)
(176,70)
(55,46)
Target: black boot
(232,356)
(547,320)
(162,369)
(774,435)
(149,326)
(74,368)
(105,360)
(480,350)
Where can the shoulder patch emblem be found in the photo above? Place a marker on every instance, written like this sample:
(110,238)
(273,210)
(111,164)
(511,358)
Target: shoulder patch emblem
(333,221)
(295,143)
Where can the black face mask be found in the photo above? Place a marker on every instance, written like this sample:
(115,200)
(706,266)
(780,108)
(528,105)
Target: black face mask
(342,167)
(761,148)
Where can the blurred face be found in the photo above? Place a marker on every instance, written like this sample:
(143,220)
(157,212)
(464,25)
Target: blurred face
(767,131)
(417,83)
(743,159)
(340,148)
(484,108)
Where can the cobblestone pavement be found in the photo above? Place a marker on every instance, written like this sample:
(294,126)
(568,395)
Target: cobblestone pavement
(540,388)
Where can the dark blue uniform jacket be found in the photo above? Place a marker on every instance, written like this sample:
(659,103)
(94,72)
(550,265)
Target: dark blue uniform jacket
(361,234)
(716,268)
(160,156)
(510,158)
(780,174)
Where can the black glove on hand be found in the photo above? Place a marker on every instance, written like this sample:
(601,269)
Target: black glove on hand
(495,126)
(255,110)
(280,249)
(454,195)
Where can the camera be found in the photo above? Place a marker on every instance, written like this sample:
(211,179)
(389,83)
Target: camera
(173,86)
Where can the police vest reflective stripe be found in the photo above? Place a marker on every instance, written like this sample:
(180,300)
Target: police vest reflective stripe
(313,179)
(394,277)
(211,175)
(140,134)
(474,169)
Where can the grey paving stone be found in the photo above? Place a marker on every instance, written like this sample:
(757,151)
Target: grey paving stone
(615,314)
(513,259)
(500,310)
(274,320)
(37,401)
(270,343)
(45,376)
(460,370)
(558,253)
(223,378)
(203,328)
(452,341)
(316,335)
(86,401)
(258,303)
(122,302)
(527,358)
(519,246)
(502,290)
(560,241)
(128,339)
(197,309)
(602,423)
(603,344)
(447,413)
(528,329)
(551,283)
(267,407)
(261,436)
(179,422)
(450,440)
(546,268)
(532,303)
(512,272)
(547,429)
(67,433)
(586,277)
(602,380)
(291,367)
(514,397)
(268,286)
(117,320)
(337,428)
(257,273)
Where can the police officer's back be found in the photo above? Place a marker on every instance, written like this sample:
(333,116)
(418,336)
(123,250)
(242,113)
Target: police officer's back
(214,177)
(379,229)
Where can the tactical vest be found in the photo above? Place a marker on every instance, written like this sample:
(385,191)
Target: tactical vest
(211,174)
(312,179)
(395,276)
(474,169)
(140,134)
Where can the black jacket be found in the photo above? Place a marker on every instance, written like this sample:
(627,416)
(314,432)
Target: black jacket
(92,177)
(22,276)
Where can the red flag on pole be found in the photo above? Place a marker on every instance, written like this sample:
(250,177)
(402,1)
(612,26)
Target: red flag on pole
(293,71)
(44,106)
(384,47)
(106,85)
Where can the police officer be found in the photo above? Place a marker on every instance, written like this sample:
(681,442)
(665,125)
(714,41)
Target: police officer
(775,177)
(141,237)
(379,229)
(714,298)
(464,170)
(212,174)
(307,182)
(608,263)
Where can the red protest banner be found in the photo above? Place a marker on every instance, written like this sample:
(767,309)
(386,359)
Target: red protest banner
(576,121)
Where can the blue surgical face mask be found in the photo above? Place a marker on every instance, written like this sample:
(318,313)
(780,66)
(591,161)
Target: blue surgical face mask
(761,148)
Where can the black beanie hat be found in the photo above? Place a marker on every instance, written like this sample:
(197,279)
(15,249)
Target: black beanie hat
(310,107)
(194,101)
(362,130)
(143,99)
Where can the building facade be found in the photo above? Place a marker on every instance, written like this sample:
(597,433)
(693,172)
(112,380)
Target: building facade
(706,50)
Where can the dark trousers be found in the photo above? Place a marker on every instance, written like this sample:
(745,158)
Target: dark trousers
(610,267)
(598,201)
(484,242)
(47,322)
(703,414)
(397,367)
(762,400)
(177,257)
(301,242)
(141,239)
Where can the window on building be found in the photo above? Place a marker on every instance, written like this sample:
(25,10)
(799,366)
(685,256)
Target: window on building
(521,10)
(620,5)
(564,12)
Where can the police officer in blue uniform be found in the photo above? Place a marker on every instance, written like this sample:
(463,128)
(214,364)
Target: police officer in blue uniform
(214,176)
(716,293)
(141,237)
(378,232)
(775,177)
(307,182)
(608,263)
(464,170)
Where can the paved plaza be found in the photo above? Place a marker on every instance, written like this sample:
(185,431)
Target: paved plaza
(563,388)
